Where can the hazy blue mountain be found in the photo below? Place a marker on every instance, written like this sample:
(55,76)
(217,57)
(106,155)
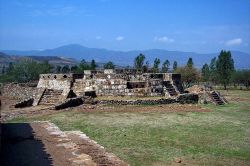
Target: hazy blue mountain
(75,51)
(6,59)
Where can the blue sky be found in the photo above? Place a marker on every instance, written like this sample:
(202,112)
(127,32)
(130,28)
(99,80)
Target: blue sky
(202,26)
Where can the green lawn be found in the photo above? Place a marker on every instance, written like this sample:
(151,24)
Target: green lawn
(219,137)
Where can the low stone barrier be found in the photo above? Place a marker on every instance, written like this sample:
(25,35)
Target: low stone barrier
(24,103)
(188,98)
(71,102)
(138,102)
(182,99)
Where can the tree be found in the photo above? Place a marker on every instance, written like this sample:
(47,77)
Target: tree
(58,69)
(25,70)
(65,69)
(225,67)
(212,69)
(175,66)
(156,65)
(45,67)
(190,63)
(139,61)
(188,75)
(83,66)
(73,69)
(3,70)
(10,67)
(205,72)
(109,65)
(145,68)
(165,66)
(93,65)
(242,77)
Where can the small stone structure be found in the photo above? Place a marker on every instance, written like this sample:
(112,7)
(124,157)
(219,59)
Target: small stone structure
(56,88)
(207,95)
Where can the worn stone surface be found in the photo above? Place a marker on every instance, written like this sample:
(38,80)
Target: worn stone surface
(55,81)
(19,91)
(112,83)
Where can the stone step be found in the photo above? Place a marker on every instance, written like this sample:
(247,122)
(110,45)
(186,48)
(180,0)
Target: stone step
(217,98)
(46,93)
(47,103)
(50,97)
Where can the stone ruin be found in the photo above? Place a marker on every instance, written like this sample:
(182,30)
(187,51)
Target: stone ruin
(207,95)
(66,90)
(55,88)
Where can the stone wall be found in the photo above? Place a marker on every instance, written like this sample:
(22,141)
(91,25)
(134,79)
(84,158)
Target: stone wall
(182,99)
(19,91)
(111,83)
(55,81)
(188,98)
(138,102)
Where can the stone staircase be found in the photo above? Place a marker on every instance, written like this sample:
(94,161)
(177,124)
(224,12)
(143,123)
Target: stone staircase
(170,89)
(50,97)
(216,98)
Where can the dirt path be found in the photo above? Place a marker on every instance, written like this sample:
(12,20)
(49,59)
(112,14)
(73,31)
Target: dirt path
(44,144)
(20,147)
(8,111)
(39,144)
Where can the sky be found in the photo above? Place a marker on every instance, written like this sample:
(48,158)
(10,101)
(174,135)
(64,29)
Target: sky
(202,26)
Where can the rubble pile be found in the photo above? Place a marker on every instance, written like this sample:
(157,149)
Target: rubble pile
(196,89)
(17,91)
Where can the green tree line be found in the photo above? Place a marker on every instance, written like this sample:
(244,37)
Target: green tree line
(24,71)
(219,71)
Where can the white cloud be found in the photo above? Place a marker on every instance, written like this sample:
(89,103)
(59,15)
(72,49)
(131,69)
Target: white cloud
(234,42)
(98,37)
(120,38)
(163,39)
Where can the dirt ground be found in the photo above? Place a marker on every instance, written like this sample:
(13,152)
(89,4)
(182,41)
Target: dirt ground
(231,117)
(22,145)
(8,111)
(30,144)
(44,144)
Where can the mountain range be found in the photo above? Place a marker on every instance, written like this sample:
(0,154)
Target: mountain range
(124,58)
(6,59)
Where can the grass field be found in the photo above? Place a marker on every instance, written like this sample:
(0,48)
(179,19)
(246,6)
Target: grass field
(218,137)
